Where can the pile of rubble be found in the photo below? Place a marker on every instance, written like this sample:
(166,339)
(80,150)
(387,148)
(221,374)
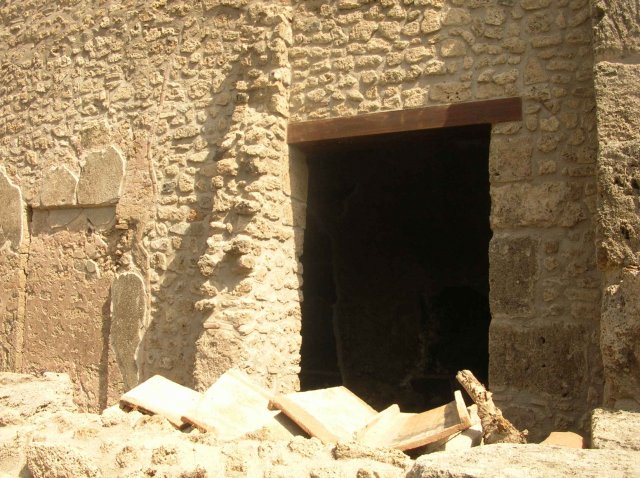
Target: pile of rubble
(238,429)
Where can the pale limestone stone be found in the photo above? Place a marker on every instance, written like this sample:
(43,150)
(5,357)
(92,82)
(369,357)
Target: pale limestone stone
(534,4)
(452,47)
(544,205)
(128,312)
(11,212)
(615,430)
(58,187)
(526,461)
(101,177)
(514,265)
(45,459)
(510,158)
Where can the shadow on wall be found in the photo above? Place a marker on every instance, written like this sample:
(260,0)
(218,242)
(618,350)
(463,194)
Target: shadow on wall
(168,343)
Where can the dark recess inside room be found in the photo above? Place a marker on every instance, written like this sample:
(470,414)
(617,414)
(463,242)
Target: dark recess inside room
(396,265)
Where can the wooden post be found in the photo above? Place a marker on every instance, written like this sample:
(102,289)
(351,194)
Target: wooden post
(495,428)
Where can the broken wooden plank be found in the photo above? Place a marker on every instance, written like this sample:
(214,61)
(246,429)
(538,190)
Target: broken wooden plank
(330,414)
(430,117)
(463,440)
(164,397)
(405,431)
(233,406)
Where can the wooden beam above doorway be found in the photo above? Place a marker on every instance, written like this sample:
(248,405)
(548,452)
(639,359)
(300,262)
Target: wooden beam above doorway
(430,117)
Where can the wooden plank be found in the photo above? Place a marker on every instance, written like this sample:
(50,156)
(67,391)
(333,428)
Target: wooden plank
(232,407)
(164,397)
(330,414)
(405,431)
(430,117)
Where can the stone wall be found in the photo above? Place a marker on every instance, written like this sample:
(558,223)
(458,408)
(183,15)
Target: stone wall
(123,126)
(617,80)
(354,57)
(183,250)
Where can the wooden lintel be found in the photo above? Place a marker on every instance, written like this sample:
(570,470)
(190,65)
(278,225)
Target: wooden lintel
(430,117)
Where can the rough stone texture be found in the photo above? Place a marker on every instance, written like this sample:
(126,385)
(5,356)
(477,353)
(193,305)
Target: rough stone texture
(617,74)
(11,212)
(542,170)
(128,316)
(51,441)
(12,279)
(616,27)
(12,293)
(619,334)
(545,375)
(44,461)
(58,187)
(101,177)
(520,461)
(513,273)
(615,430)
(197,95)
(618,102)
(23,396)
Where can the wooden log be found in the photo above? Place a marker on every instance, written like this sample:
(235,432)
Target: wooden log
(495,428)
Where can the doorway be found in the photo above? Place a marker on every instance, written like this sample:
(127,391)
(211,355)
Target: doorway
(395,262)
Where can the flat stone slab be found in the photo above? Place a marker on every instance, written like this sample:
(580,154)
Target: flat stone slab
(527,461)
(615,430)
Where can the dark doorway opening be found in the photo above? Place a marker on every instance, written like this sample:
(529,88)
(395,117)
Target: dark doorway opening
(396,265)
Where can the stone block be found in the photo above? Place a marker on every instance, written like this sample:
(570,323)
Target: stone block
(101,177)
(513,271)
(619,337)
(618,187)
(526,461)
(615,430)
(542,205)
(618,99)
(58,187)
(510,158)
(46,459)
(128,312)
(11,212)
(65,317)
(616,27)
(542,357)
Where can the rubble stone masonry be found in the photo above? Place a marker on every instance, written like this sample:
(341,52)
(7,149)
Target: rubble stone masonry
(145,168)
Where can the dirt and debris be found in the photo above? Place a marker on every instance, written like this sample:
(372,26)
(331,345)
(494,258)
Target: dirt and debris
(42,434)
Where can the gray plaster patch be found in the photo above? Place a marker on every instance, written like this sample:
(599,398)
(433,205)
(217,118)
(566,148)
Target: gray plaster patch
(58,187)
(128,309)
(11,212)
(101,217)
(63,217)
(101,177)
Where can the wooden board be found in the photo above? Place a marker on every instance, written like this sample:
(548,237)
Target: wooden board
(404,431)
(430,117)
(164,397)
(330,414)
(232,407)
